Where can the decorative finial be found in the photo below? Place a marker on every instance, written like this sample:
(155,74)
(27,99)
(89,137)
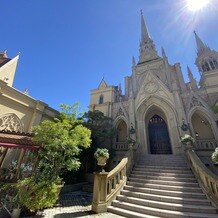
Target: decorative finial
(141,12)
(133,61)
(163,52)
(26,91)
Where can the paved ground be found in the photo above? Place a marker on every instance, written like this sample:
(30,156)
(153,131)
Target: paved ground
(74,204)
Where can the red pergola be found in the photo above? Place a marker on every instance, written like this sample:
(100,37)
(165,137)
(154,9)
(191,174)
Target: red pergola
(18,145)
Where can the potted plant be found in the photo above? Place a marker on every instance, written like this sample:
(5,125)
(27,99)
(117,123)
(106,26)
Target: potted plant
(215,156)
(101,155)
(187,140)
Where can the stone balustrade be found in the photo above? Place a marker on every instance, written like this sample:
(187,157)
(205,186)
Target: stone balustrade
(121,146)
(107,185)
(206,144)
(207,180)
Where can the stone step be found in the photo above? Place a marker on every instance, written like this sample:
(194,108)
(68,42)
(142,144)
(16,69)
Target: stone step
(165,187)
(178,175)
(167,206)
(162,170)
(160,212)
(163,161)
(161,156)
(166,178)
(163,167)
(169,199)
(163,182)
(128,213)
(181,193)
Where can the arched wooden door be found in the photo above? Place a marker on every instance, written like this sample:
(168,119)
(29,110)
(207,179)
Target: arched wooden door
(159,136)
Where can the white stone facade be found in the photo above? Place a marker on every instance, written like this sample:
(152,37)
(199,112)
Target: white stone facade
(157,90)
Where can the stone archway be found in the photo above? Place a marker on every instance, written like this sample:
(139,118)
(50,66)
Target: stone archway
(202,123)
(201,126)
(121,128)
(158,134)
(145,111)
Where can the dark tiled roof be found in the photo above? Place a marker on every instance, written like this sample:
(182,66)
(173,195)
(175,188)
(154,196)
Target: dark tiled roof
(16,138)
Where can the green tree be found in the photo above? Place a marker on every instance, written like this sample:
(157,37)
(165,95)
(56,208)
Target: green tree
(102,135)
(62,139)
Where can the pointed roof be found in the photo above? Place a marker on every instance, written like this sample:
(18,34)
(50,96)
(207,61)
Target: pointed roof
(201,46)
(163,52)
(102,84)
(133,61)
(190,75)
(144,31)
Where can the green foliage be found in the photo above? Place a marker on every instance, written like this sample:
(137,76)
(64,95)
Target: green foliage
(187,138)
(101,152)
(101,127)
(215,156)
(9,197)
(102,133)
(63,139)
(37,195)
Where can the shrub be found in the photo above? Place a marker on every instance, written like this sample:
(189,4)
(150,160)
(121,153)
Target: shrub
(36,195)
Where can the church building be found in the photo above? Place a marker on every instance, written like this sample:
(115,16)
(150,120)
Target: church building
(19,112)
(158,106)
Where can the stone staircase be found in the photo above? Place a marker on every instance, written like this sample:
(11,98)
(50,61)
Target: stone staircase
(162,186)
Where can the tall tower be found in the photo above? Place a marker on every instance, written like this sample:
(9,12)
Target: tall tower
(147,51)
(207,63)
(207,59)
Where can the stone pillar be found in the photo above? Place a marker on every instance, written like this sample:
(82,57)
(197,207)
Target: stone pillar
(99,203)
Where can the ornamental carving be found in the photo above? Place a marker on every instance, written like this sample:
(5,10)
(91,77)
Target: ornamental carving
(195,102)
(151,87)
(10,122)
(120,113)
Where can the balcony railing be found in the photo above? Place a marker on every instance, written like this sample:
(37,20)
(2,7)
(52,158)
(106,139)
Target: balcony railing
(206,144)
(121,146)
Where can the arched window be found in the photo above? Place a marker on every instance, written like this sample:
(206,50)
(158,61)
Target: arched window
(212,65)
(215,63)
(207,66)
(203,67)
(101,99)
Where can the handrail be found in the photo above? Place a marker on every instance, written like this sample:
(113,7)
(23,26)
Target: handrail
(107,185)
(207,180)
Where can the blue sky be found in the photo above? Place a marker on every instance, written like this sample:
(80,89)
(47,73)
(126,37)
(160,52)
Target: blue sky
(67,46)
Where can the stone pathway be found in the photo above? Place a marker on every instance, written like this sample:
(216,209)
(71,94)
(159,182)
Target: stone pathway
(73,204)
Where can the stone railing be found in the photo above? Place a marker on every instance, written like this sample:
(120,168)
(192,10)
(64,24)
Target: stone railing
(207,180)
(107,185)
(121,146)
(206,144)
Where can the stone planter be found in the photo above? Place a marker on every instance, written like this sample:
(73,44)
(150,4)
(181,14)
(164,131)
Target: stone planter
(188,146)
(102,161)
(16,213)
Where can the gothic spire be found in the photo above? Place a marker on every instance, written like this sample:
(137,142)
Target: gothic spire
(163,53)
(147,48)
(190,75)
(144,31)
(133,61)
(201,47)
(192,81)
